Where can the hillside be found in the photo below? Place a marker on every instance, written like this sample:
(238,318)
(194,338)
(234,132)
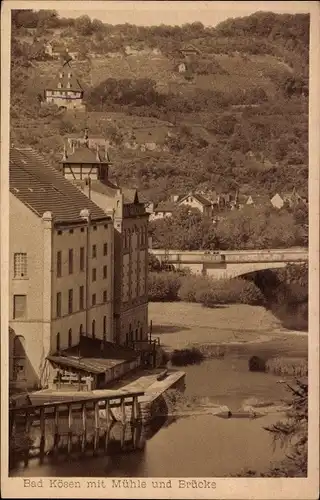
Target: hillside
(239,113)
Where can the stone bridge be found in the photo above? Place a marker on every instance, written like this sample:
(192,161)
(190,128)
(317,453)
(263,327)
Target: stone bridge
(230,264)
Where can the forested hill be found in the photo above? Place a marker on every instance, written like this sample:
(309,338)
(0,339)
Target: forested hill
(239,113)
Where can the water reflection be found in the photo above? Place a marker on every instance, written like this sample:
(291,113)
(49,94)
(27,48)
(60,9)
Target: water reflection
(173,446)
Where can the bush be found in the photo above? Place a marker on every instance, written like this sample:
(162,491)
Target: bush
(192,288)
(257,364)
(212,351)
(163,287)
(297,367)
(169,286)
(232,291)
(183,357)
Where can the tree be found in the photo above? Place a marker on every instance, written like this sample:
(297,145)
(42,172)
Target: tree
(292,434)
(83,25)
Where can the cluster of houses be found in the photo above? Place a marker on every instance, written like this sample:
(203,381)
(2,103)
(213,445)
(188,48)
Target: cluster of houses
(211,203)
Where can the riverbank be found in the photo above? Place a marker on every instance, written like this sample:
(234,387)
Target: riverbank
(239,327)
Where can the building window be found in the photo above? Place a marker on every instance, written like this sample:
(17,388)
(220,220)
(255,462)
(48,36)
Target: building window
(94,251)
(19,358)
(82,229)
(58,342)
(93,329)
(81,330)
(19,306)
(94,299)
(70,301)
(81,258)
(105,272)
(59,85)
(81,298)
(58,308)
(105,295)
(59,264)
(71,231)
(94,274)
(105,249)
(69,337)
(70,261)
(69,75)
(94,228)
(20,265)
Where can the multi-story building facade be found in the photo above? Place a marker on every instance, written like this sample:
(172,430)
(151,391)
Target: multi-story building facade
(65,91)
(61,260)
(89,170)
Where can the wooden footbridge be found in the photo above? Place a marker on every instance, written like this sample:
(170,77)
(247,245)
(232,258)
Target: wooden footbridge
(78,424)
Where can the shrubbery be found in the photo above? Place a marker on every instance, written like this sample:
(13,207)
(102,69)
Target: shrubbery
(183,357)
(170,287)
(163,287)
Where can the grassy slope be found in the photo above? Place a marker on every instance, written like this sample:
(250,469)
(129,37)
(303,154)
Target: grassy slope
(242,73)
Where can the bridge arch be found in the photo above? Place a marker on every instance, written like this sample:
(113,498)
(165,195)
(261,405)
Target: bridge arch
(236,270)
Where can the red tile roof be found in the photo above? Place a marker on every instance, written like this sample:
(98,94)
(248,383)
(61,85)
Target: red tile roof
(43,189)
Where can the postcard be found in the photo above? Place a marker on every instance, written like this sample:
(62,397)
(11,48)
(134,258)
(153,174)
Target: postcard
(160,249)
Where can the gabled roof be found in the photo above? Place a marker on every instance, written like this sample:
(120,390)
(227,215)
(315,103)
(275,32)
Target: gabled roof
(65,77)
(199,197)
(189,48)
(260,199)
(130,195)
(83,154)
(166,206)
(242,198)
(42,188)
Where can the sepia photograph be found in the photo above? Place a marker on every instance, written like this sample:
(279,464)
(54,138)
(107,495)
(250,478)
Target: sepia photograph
(158,329)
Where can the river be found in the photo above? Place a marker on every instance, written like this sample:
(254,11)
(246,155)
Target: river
(202,445)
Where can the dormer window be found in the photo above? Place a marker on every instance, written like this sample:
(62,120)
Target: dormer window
(59,85)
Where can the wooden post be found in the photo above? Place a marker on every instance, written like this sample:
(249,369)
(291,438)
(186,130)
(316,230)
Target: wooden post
(42,432)
(107,437)
(96,415)
(123,410)
(56,427)
(135,409)
(96,425)
(84,427)
(123,435)
(27,422)
(69,427)
(136,436)
(108,412)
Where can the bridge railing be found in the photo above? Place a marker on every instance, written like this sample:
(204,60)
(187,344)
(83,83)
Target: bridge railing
(254,256)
